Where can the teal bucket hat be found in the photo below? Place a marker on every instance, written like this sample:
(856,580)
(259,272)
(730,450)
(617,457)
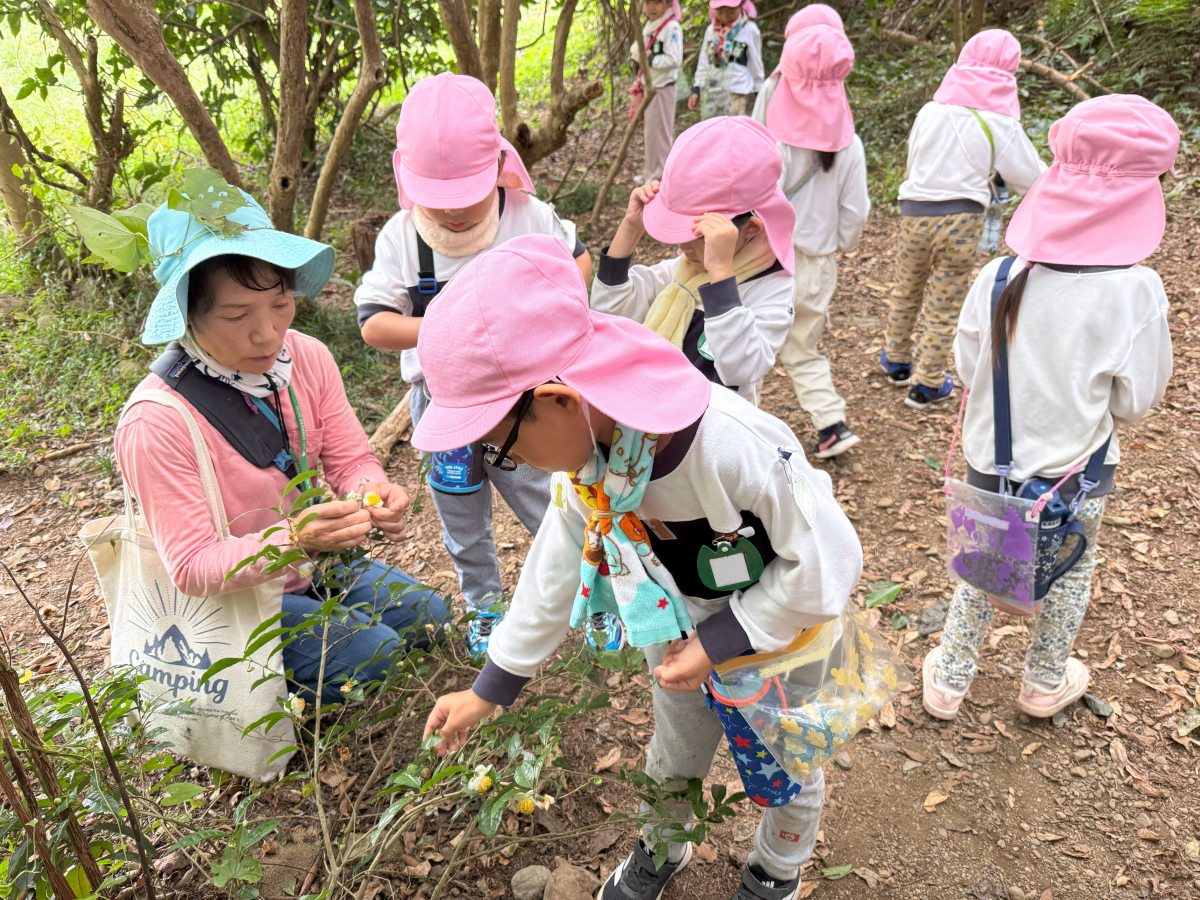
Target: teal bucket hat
(179,242)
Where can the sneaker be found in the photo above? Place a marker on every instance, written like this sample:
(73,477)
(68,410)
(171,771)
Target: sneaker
(940,700)
(897,373)
(757,885)
(1042,703)
(922,397)
(607,628)
(479,632)
(636,878)
(834,440)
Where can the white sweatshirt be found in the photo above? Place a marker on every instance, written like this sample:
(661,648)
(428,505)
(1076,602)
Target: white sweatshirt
(739,78)
(386,287)
(949,155)
(732,470)
(743,325)
(1090,349)
(832,207)
(668,60)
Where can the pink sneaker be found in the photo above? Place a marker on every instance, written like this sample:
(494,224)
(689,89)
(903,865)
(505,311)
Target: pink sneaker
(940,700)
(1041,703)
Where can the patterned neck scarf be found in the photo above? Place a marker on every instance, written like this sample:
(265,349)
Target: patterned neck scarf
(619,572)
(252,383)
(720,48)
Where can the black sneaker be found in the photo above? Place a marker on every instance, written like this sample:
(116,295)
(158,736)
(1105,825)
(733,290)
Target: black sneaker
(834,440)
(922,397)
(636,878)
(757,886)
(897,373)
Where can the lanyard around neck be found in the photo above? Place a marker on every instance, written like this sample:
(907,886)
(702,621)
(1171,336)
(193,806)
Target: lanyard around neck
(300,461)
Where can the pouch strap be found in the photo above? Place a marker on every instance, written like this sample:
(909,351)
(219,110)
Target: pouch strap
(1001,411)
(427,282)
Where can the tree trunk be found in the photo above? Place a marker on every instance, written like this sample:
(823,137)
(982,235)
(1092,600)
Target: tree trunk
(487,27)
(392,429)
(959,40)
(975,19)
(289,137)
(508,68)
(24,211)
(266,95)
(137,28)
(456,18)
(565,103)
(364,233)
(372,76)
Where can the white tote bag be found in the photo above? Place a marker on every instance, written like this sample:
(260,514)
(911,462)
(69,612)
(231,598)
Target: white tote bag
(171,638)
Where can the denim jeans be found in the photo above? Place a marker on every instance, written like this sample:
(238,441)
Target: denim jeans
(357,647)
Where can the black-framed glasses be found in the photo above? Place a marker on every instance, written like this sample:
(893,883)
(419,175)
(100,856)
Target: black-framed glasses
(497,457)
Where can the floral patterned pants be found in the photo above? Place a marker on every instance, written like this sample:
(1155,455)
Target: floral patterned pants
(1053,630)
(933,273)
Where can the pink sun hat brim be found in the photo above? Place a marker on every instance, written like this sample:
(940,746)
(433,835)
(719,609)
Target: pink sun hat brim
(728,165)
(1101,202)
(617,365)
(809,107)
(448,146)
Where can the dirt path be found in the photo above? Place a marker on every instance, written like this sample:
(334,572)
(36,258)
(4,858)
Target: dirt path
(1079,808)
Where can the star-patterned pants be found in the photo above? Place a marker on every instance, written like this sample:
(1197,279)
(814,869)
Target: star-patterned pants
(686,736)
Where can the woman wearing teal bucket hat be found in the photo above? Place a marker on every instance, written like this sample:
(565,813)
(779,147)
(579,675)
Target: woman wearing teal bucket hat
(269,404)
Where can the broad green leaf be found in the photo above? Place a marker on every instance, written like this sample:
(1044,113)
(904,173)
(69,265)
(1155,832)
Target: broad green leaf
(833,873)
(109,239)
(883,595)
(181,792)
(438,777)
(219,666)
(135,218)
(212,197)
(237,867)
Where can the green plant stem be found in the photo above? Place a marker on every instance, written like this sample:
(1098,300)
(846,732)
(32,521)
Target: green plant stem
(462,842)
(330,853)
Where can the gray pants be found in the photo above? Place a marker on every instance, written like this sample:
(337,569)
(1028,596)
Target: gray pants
(686,735)
(467,519)
(659,124)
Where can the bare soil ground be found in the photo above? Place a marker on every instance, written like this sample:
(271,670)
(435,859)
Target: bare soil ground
(1081,807)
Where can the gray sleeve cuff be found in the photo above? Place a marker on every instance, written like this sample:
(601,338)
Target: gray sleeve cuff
(580,249)
(495,685)
(720,297)
(722,636)
(613,270)
(369,309)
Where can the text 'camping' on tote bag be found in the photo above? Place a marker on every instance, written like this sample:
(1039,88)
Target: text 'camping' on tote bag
(171,638)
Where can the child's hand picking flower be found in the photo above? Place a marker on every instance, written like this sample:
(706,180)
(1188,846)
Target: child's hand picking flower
(333,526)
(388,505)
(454,715)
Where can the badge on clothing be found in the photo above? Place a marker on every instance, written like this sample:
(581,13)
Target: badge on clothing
(729,565)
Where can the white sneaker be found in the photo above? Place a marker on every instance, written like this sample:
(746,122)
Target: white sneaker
(1042,703)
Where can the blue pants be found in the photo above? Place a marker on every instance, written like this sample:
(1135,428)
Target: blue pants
(355,648)
(467,519)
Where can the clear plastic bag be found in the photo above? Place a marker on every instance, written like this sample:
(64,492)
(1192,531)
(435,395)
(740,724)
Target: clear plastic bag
(991,544)
(807,700)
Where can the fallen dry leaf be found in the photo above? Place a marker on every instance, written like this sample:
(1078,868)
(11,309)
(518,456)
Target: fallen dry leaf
(887,716)
(934,800)
(1047,837)
(1147,835)
(706,853)
(609,760)
(1030,749)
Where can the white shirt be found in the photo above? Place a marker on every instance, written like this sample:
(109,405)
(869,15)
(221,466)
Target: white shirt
(739,79)
(1090,350)
(396,262)
(733,466)
(743,341)
(832,207)
(665,66)
(949,157)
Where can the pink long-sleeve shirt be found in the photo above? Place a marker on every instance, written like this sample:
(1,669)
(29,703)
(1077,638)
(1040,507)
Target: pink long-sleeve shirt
(154,452)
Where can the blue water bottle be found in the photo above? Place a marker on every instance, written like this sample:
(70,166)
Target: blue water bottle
(457,471)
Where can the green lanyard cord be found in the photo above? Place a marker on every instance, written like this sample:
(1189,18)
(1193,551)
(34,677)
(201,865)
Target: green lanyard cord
(302,462)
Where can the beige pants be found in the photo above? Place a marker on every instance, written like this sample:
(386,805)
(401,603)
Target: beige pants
(801,358)
(659,124)
(933,274)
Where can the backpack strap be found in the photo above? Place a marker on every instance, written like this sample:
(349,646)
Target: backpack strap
(427,282)
(1001,410)
(255,438)
(1089,478)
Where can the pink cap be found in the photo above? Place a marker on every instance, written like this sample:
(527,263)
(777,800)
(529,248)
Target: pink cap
(448,145)
(746,5)
(728,165)
(985,75)
(1100,203)
(809,107)
(517,316)
(813,14)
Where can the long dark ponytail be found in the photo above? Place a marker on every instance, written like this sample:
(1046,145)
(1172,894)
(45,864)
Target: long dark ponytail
(1004,322)
(826,158)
